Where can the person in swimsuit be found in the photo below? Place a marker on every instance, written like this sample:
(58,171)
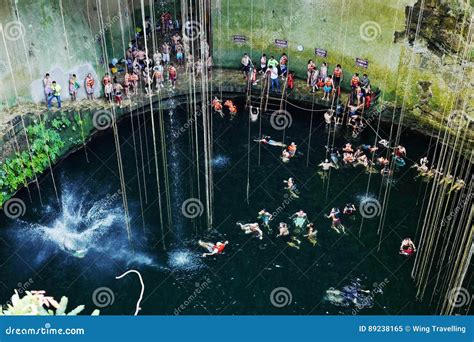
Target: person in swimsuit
(251,228)
(407,247)
(266,217)
(336,221)
(283,229)
(266,140)
(213,249)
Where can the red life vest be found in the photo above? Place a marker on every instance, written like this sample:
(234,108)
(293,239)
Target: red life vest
(219,248)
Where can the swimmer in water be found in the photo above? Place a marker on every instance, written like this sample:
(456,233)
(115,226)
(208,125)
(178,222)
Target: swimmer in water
(326,165)
(217,105)
(349,209)
(312,232)
(407,247)
(384,143)
(383,161)
(400,151)
(291,187)
(285,156)
(336,221)
(448,179)
(267,141)
(348,148)
(283,229)
(292,149)
(458,185)
(213,249)
(266,217)
(252,228)
(369,148)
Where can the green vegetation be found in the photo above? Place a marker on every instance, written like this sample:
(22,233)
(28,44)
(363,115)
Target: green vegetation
(36,303)
(47,144)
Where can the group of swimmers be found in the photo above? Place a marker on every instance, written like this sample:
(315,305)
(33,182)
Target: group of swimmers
(300,228)
(364,156)
(218,107)
(429,173)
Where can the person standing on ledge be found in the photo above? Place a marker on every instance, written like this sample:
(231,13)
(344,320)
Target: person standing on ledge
(273,71)
(90,86)
(47,87)
(55,93)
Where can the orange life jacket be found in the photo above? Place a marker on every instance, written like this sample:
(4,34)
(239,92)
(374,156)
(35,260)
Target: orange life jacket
(355,80)
(328,83)
(337,72)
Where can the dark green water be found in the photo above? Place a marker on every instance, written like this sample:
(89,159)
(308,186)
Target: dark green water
(241,280)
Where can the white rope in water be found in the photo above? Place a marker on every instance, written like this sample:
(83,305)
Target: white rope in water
(142,291)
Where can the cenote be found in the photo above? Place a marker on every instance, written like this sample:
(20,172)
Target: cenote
(90,221)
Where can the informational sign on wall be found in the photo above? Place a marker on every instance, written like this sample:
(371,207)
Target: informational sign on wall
(321,52)
(281,43)
(363,63)
(239,39)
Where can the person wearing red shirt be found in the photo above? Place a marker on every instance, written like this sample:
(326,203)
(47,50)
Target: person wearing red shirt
(213,249)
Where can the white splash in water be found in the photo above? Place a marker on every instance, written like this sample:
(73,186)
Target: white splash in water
(82,227)
(220,161)
(184,260)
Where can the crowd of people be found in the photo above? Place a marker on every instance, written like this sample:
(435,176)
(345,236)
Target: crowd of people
(140,68)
